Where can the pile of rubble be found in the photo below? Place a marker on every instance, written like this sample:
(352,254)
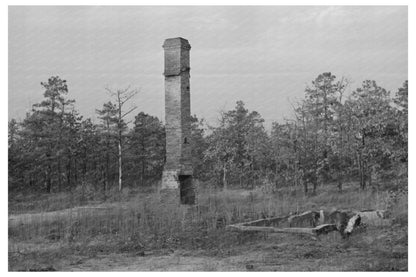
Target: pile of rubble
(315,223)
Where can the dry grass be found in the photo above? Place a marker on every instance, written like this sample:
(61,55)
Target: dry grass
(82,195)
(140,225)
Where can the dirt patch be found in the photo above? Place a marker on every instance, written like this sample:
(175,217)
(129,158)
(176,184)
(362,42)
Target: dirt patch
(272,253)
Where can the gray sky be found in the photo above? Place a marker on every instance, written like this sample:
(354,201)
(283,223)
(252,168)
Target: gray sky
(264,56)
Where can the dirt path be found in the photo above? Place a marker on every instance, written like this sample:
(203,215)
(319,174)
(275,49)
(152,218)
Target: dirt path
(42,217)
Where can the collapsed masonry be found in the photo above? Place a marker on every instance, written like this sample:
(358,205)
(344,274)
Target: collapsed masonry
(315,223)
(177,185)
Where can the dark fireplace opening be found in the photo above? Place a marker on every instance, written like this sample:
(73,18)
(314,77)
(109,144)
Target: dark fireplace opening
(187,191)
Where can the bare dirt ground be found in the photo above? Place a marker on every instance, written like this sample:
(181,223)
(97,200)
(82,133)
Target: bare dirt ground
(376,249)
(260,256)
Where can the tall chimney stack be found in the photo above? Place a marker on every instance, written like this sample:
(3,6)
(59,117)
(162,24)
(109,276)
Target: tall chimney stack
(177,173)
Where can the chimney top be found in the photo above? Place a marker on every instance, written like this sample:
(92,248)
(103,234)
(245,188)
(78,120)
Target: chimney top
(176,43)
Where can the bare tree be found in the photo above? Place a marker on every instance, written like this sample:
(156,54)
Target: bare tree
(121,97)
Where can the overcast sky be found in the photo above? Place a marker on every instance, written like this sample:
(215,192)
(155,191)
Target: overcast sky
(264,56)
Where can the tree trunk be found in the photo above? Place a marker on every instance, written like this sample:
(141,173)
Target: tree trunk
(370,175)
(107,173)
(315,184)
(105,181)
(363,163)
(364,174)
(361,171)
(296,177)
(305,187)
(341,147)
(142,175)
(143,164)
(75,171)
(241,178)
(68,174)
(224,177)
(339,184)
(59,175)
(119,164)
(48,180)
(362,178)
(84,165)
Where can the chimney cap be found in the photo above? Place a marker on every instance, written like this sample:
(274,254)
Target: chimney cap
(176,43)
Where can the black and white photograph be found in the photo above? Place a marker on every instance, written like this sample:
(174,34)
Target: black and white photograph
(235,138)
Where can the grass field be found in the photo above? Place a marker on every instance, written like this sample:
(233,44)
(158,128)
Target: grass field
(133,231)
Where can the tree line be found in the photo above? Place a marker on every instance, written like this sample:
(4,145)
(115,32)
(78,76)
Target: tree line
(333,137)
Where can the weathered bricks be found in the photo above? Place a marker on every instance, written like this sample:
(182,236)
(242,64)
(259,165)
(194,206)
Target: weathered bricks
(177,115)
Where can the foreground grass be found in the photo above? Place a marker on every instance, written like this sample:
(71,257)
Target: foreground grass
(139,233)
